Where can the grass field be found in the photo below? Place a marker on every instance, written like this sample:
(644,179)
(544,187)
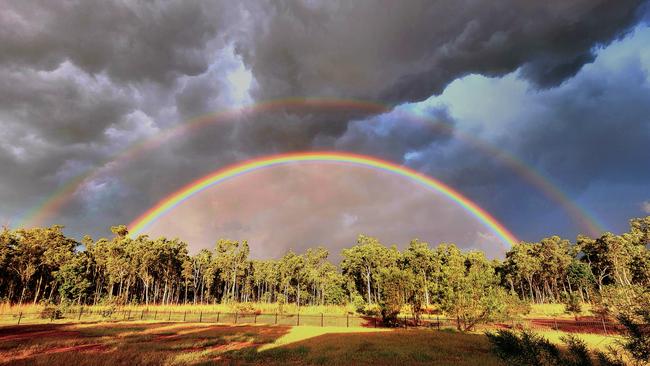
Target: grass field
(540,311)
(9,313)
(148,343)
(269,308)
(193,344)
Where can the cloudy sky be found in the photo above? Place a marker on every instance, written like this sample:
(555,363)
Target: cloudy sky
(537,111)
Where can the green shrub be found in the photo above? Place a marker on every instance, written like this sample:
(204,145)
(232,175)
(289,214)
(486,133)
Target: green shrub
(51,312)
(572,304)
(371,310)
(358,302)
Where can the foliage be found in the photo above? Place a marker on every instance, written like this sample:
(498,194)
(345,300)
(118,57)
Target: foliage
(51,312)
(42,265)
(572,304)
(472,294)
(636,343)
(525,348)
(528,348)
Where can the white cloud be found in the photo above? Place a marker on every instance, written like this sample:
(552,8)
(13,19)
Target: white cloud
(645,206)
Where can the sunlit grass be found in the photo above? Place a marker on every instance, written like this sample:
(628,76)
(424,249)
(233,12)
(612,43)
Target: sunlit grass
(122,343)
(556,311)
(593,341)
(190,344)
(297,334)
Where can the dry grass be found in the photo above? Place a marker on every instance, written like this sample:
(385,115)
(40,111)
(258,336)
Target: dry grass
(7,309)
(147,343)
(547,311)
(192,344)
(9,314)
(593,341)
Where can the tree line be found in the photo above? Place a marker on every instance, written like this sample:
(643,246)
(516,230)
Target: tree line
(43,265)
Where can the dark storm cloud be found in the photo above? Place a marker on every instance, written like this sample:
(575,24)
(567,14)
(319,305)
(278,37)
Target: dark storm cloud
(131,41)
(82,81)
(589,136)
(406,51)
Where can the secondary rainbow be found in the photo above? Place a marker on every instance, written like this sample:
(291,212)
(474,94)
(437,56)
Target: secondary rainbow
(221,175)
(49,206)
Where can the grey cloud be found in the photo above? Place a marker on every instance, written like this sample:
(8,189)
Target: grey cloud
(82,81)
(131,41)
(645,207)
(62,106)
(397,52)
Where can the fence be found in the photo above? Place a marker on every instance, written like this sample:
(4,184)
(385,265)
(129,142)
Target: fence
(322,320)
(82,315)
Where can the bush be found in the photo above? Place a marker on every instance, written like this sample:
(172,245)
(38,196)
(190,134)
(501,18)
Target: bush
(577,352)
(281,302)
(572,304)
(371,310)
(358,302)
(525,348)
(108,312)
(51,312)
(244,308)
(390,315)
(630,306)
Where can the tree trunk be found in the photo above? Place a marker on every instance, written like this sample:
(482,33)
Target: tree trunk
(38,289)
(22,295)
(368,284)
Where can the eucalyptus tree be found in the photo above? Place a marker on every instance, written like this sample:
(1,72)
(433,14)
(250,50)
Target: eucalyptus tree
(523,266)
(29,258)
(230,259)
(363,263)
(472,294)
(422,261)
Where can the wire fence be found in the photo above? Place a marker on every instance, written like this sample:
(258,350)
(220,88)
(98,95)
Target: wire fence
(321,320)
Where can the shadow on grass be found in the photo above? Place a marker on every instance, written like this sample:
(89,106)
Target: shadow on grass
(406,347)
(127,343)
(203,344)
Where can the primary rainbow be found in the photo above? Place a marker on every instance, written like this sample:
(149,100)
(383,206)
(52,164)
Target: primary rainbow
(221,175)
(48,207)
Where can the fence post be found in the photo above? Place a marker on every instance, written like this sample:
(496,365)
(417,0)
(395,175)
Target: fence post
(155,314)
(347,320)
(170,316)
(276,317)
(375,321)
(20,316)
(201,317)
(405,325)
(184,315)
(321,319)
(81,309)
(255,321)
(604,326)
(438,321)
(555,321)
(298,319)
(218,316)
(235,317)
(142,315)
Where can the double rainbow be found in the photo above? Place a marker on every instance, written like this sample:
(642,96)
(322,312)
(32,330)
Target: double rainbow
(221,175)
(48,208)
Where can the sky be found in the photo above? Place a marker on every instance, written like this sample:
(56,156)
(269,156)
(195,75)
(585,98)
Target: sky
(539,112)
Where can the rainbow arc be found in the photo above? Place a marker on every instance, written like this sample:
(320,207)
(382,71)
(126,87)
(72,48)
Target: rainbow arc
(139,225)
